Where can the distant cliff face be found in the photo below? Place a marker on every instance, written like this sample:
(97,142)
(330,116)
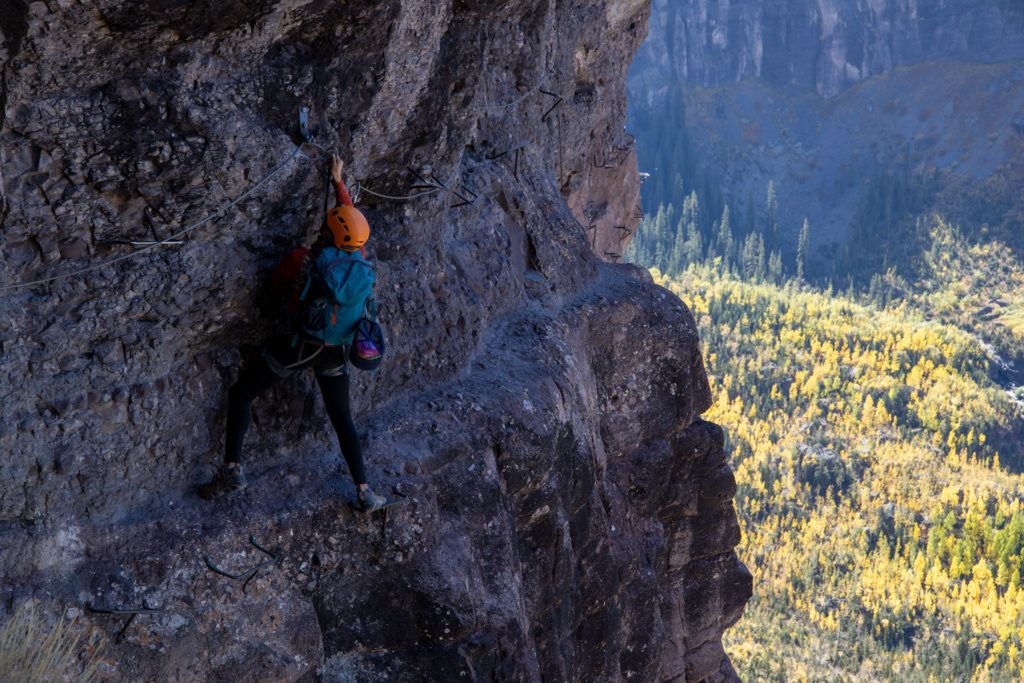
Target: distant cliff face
(822,45)
(863,114)
(570,515)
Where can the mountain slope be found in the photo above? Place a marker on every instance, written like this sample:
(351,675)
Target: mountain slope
(861,116)
(886,536)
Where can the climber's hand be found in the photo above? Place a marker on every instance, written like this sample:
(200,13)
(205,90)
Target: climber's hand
(337,166)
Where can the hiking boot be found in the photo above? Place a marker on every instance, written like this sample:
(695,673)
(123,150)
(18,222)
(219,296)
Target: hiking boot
(370,501)
(229,479)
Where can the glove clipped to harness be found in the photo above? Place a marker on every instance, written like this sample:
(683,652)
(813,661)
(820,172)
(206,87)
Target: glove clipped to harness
(368,344)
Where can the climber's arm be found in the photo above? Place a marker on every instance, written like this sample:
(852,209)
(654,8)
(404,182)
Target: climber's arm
(341,192)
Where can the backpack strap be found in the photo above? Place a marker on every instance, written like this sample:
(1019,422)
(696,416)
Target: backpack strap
(370,308)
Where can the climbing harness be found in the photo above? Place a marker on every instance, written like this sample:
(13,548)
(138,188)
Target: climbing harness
(282,370)
(302,361)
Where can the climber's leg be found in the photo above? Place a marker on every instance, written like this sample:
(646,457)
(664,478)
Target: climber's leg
(334,388)
(254,379)
(334,385)
(252,382)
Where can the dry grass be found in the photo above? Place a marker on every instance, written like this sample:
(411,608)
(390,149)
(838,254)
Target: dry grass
(33,652)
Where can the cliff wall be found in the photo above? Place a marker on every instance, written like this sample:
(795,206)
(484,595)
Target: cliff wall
(570,516)
(863,115)
(820,45)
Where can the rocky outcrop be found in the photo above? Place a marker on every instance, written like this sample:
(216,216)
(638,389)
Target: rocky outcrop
(569,515)
(820,45)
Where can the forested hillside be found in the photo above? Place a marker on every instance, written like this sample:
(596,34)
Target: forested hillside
(836,189)
(976,284)
(877,458)
(863,116)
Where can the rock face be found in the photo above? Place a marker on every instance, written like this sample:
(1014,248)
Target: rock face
(864,115)
(569,516)
(821,45)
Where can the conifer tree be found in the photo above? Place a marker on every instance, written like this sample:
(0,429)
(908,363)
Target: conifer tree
(772,211)
(691,209)
(724,240)
(775,267)
(633,249)
(694,244)
(712,253)
(677,263)
(635,252)
(876,290)
(752,257)
(629,255)
(694,248)
(760,267)
(656,245)
(801,249)
(748,257)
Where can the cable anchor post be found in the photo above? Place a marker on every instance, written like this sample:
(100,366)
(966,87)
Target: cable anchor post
(304,124)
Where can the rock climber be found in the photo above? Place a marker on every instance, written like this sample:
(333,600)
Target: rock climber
(331,285)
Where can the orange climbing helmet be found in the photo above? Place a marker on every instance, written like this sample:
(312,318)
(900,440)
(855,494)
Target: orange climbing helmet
(349,227)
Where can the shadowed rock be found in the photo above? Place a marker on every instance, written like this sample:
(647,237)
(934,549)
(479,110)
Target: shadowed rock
(570,515)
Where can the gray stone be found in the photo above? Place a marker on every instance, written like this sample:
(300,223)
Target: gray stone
(824,45)
(569,515)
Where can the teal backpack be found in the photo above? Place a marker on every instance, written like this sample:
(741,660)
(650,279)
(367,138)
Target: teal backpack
(339,285)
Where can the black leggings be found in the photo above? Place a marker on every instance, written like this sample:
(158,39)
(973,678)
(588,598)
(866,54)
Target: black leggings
(280,358)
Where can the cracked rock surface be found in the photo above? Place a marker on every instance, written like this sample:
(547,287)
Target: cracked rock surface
(569,515)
